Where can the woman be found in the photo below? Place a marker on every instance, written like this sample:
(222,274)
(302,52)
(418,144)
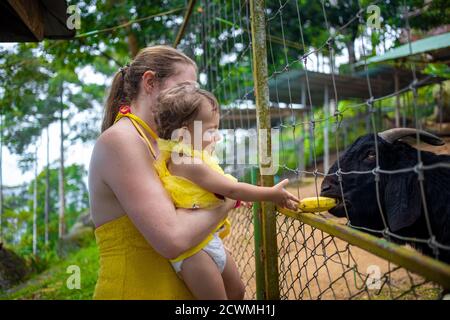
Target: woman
(137,226)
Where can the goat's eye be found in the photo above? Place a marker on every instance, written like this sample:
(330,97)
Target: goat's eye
(371,156)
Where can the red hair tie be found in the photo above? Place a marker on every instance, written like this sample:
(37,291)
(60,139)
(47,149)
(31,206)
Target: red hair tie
(125,109)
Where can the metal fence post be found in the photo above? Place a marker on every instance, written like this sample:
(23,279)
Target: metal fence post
(259,266)
(268,252)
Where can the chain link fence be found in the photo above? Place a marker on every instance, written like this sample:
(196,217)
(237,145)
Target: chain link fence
(318,109)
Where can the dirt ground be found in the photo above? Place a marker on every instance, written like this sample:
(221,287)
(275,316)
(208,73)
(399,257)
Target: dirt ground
(315,265)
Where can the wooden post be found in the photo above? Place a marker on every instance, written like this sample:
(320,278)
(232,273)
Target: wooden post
(257,225)
(187,16)
(269,254)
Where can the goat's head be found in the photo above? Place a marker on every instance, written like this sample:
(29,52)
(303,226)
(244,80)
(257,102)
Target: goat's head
(399,194)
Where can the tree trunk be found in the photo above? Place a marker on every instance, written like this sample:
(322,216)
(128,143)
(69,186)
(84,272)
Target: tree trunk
(133,44)
(1,179)
(35,203)
(351,54)
(318,62)
(47,189)
(61,226)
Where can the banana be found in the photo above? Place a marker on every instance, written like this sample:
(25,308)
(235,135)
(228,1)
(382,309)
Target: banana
(316,204)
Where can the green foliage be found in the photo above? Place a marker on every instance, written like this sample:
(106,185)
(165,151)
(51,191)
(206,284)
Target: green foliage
(41,262)
(51,284)
(289,151)
(438,69)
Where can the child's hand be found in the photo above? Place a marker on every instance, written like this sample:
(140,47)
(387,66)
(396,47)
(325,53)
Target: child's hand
(247,204)
(282,197)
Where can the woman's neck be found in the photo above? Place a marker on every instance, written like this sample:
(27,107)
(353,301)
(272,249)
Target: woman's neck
(144,112)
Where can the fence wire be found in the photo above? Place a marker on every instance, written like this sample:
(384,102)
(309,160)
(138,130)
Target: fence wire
(312,263)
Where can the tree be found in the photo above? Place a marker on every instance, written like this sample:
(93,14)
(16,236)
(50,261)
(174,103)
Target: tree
(47,188)
(35,203)
(1,178)
(62,200)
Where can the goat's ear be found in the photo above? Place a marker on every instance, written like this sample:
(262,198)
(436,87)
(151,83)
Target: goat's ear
(402,200)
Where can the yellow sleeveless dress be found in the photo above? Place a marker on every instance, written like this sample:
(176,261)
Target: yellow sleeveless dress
(185,193)
(129,267)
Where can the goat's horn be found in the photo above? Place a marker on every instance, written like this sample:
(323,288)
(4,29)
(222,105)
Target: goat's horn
(393,135)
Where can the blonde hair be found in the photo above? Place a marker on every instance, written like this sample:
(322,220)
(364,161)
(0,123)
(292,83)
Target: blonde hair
(179,106)
(125,85)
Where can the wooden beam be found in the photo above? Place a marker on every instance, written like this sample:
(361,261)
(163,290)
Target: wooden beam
(31,14)
(187,16)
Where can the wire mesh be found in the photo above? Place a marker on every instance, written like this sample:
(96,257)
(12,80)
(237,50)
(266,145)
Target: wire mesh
(312,263)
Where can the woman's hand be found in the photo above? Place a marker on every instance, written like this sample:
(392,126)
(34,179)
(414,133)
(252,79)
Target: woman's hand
(229,204)
(282,197)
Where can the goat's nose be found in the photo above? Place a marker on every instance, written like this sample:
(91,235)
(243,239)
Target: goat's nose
(326,187)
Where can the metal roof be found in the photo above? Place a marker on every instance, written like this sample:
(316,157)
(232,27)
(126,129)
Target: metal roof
(289,87)
(433,43)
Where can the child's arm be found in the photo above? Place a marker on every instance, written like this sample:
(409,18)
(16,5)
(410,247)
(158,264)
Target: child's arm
(208,179)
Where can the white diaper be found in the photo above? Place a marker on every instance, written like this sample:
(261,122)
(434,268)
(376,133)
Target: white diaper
(216,251)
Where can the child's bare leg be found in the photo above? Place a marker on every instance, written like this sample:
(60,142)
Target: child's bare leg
(202,277)
(234,286)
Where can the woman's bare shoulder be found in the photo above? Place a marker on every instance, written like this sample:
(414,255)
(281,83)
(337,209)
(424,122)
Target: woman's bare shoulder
(117,135)
(122,138)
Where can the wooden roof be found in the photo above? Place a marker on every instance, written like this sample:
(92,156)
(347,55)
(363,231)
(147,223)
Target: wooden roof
(33,20)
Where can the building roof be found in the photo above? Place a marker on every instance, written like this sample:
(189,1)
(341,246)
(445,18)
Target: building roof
(439,42)
(33,20)
(347,87)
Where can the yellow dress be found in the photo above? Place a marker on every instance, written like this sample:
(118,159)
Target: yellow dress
(185,193)
(129,267)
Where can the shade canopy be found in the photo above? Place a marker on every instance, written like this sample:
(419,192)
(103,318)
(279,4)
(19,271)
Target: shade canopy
(33,20)
(439,45)
(291,86)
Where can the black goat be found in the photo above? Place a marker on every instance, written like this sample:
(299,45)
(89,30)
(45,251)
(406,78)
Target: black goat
(400,194)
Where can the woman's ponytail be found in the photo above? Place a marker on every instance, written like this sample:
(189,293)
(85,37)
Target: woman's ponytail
(114,100)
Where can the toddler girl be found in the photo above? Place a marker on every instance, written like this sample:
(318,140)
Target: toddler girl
(188,120)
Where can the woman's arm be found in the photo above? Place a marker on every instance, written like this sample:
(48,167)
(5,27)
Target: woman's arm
(128,170)
(210,180)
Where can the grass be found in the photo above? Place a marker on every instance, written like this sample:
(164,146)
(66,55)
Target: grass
(51,284)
